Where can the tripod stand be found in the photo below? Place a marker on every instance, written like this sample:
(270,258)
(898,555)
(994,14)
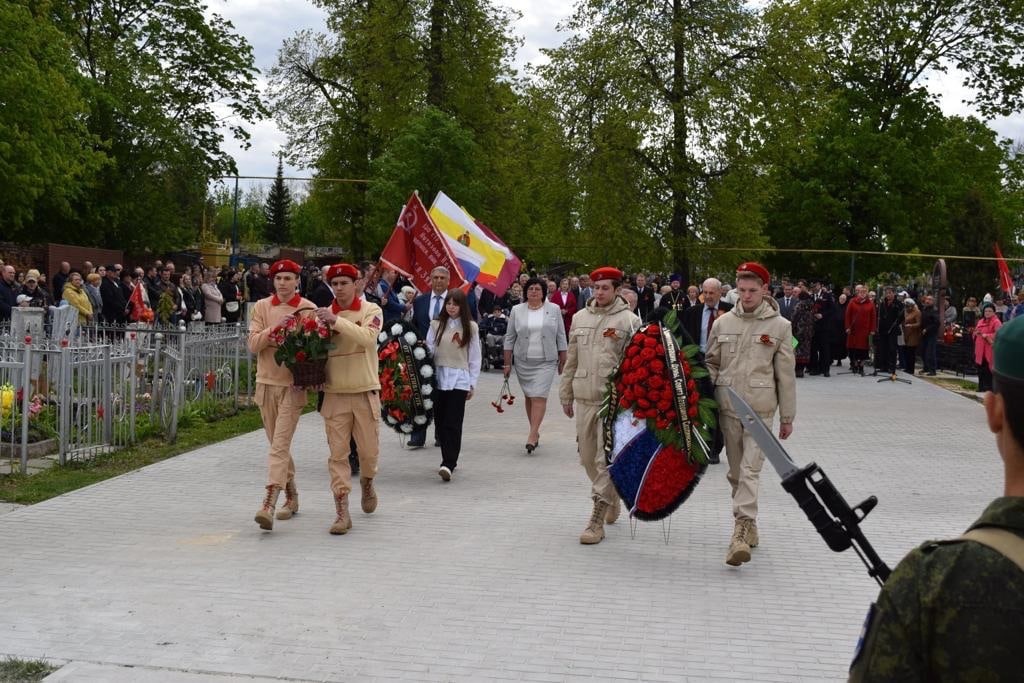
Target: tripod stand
(894,378)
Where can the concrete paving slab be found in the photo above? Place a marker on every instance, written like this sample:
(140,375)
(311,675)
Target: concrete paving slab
(484,578)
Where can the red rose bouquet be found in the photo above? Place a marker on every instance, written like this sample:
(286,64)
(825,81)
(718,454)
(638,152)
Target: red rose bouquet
(302,345)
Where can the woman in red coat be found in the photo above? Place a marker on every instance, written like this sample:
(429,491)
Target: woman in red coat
(984,336)
(566,301)
(860,320)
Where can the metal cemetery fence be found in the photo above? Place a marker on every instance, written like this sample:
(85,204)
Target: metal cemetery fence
(94,389)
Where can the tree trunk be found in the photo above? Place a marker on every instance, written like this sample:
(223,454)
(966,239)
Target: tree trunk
(678,224)
(435,54)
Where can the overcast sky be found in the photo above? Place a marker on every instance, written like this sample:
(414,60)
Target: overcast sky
(266,23)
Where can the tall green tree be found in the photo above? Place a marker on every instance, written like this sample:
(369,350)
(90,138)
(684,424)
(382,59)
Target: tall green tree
(862,157)
(346,96)
(671,79)
(277,210)
(160,78)
(46,152)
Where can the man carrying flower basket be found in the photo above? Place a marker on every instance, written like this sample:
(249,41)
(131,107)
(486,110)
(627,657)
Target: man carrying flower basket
(279,400)
(351,407)
(749,349)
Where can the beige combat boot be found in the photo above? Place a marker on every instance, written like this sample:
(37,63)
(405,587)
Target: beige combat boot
(369,499)
(291,501)
(613,511)
(265,516)
(594,533)
(343,523)
(739,548)
(752,538)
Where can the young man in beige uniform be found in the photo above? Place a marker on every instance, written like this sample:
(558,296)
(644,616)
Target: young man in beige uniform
(749,349)
(597,337)
(279,401)
(351,407)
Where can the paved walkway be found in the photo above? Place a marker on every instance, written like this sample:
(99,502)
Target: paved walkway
(161,574)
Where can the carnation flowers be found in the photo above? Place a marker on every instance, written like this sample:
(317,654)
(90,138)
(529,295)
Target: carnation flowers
(504,396)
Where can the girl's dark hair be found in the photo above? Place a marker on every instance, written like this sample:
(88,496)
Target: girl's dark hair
(459,297)
(535,281)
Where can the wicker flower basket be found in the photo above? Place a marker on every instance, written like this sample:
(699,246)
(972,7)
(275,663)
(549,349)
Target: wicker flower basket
(310,373)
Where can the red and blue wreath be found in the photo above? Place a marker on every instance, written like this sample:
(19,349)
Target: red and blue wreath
(659,420)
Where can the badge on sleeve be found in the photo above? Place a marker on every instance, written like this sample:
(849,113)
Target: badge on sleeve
(864,631)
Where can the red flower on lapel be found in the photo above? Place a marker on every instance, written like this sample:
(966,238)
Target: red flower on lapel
(610,332)
(765,339)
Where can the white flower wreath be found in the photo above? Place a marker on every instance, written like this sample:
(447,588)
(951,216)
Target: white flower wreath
(399,413)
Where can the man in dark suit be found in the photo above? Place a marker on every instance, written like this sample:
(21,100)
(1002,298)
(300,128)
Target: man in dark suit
(787,302)
(697,320)
(427,306)
(644,297)
(321,293)
(114,301)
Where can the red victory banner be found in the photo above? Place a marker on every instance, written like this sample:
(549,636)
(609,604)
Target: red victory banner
(1005,280)
(416,247)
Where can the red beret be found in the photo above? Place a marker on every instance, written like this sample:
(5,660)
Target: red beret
(757,269)
(342,269)
(606,273)
(285,266)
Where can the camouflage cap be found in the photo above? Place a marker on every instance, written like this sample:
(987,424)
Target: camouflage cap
(1008,351)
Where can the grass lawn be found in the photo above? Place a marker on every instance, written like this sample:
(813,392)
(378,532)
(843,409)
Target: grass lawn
(23,670)
(18,488)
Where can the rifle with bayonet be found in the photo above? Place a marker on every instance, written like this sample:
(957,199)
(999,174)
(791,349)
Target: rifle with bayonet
(831,515)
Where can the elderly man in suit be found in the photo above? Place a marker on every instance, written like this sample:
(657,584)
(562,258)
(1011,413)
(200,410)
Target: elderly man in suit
(697,320)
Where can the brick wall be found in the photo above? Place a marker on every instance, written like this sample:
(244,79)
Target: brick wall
(76,256)
(23,257)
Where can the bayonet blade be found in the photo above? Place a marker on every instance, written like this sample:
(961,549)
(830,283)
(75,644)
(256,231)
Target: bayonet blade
(763,436)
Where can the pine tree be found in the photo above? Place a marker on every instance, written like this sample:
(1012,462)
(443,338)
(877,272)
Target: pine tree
(278,207)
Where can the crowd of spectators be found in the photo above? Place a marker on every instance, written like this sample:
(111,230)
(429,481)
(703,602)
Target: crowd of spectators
(892,327)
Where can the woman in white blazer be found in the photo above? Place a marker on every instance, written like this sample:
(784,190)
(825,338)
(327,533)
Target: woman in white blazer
(537,343)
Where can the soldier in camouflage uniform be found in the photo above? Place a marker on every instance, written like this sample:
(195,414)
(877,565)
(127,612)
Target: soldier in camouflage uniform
(952,610)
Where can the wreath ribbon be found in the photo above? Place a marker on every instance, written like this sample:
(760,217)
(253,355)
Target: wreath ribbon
(414,376)
(679,393)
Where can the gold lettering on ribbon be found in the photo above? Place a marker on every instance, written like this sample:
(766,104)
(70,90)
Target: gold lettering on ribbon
(414,375)
(679,392)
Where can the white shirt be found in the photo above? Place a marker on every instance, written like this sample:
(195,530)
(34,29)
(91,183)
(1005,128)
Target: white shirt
(457,378)
(535,327)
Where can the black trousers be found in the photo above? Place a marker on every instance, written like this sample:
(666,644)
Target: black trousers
(821,351)
(885,353)
(449,412)
(984,377)
(910,358)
